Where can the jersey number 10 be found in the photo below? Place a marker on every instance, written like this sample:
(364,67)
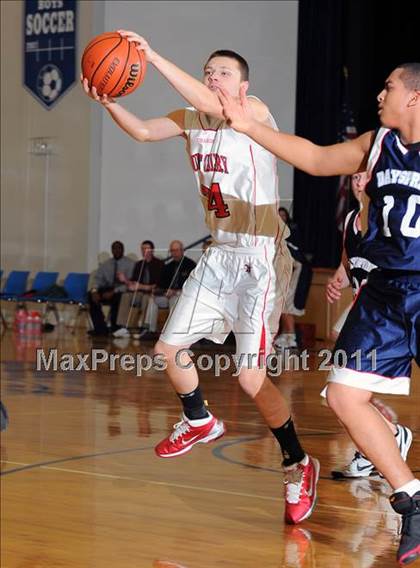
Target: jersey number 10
(406,229)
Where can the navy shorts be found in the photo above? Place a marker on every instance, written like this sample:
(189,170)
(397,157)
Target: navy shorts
(381,335)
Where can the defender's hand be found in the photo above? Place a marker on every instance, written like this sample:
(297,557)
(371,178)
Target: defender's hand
(237,113)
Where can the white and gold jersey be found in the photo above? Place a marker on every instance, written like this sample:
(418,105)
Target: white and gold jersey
(238,183)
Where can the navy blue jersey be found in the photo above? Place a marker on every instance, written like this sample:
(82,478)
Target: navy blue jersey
(392,241)
(359,266)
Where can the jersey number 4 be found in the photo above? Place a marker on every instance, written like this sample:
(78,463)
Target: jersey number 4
(407,230)
(215,200)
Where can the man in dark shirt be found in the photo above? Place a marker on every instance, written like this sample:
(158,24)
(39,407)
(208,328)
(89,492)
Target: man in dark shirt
(174,274)
(108,287)
(145,278)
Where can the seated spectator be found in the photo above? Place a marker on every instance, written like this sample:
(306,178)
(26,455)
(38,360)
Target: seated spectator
(108,289)
(144,279)
(173,276)
(298,291)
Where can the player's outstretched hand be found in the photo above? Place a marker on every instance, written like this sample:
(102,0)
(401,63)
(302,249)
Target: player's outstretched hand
(334,288)
(105,100)
(140,43)
(237,113)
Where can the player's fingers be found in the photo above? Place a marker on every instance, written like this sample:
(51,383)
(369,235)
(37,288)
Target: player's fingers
(221,95)
(137,40)
(86,87)
(333,290)
(141,46)
(95,93)
(126,33)
(329,296)
(133,37)
(242,94)
(223,92)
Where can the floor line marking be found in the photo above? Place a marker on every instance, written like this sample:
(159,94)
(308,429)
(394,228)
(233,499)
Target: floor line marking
(206,489)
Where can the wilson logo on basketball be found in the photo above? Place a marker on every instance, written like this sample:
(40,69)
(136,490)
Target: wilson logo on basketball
(108,74)
(131,80)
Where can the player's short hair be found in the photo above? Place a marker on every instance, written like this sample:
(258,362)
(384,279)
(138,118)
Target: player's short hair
(243,64)
(410,75)
(151,244)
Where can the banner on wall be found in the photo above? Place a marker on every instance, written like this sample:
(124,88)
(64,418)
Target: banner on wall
(49,48)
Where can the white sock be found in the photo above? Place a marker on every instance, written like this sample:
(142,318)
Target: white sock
(410,488)
(305,460)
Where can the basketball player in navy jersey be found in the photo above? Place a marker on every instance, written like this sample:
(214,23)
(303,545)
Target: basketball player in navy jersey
(384,322)
(354,270)
(240,282)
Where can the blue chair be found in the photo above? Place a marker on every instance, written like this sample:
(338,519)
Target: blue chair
(42,281)
(76,287)
(14,287)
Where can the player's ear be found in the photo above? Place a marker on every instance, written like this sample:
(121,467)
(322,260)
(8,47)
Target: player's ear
(414,99)
(244,86)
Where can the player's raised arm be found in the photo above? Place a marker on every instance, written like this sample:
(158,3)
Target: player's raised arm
(195,92)
(225,68)
(345,158)
(141,130)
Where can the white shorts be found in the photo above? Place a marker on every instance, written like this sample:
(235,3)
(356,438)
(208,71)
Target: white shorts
(241,291)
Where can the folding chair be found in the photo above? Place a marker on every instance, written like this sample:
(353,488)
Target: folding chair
(14,287)
(76,287)
(42,281)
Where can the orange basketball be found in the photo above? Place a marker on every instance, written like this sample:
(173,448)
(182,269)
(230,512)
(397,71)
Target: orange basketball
(113,65)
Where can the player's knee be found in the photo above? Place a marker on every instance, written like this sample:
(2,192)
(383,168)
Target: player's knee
(162,348)
(335,398)
(343,399)
(173,354)
(251,381)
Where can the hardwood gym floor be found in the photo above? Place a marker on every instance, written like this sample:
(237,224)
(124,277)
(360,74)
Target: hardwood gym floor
(82,488)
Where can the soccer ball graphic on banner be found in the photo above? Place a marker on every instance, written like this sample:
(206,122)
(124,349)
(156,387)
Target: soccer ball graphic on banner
(49,83)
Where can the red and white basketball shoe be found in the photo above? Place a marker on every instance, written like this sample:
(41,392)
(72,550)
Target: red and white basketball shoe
(187,433)
(300,490)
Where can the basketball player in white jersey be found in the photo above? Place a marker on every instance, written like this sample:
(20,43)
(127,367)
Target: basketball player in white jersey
(240,282)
